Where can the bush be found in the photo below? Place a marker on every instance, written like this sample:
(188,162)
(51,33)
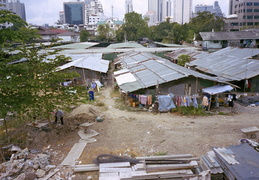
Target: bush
(191,110)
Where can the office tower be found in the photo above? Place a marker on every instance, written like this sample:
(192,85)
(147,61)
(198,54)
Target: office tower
(158,10)
(182,11)
(74,12)
(17,8)
(93,12)
(245,14)
(61,17)
(128,6)
(209,8)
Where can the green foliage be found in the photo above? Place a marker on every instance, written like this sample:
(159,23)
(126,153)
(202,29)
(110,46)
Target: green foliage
(135,27)
(34,87)
(84,34)
(16,30)
(206,22)
(105,33)
(182,59)
(191,111)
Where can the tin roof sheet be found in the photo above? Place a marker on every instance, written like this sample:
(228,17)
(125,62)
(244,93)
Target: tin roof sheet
(230,63)
(150,70)
(92,63)
(232,35)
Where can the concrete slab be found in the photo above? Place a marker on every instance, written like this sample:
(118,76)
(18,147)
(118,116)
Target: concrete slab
(74,154)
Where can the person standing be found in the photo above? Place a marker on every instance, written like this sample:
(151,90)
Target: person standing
(59,115)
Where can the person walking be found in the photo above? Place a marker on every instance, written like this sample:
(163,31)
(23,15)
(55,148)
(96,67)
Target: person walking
(59,114)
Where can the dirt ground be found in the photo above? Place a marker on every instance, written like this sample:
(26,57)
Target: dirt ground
(144,133)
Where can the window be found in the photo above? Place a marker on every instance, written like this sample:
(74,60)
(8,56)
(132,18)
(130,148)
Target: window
(250,23)
(249,17)
(249,10)
(249,3)
(256,4)
(256,17)
(256,10)
(244,17)
(234,24)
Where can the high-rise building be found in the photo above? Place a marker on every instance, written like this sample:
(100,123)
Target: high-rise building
(209,8)
(159,10)
(244,14)
(17,8)
(4,5)
(93,11)
(128,6)
(74,12)
(182,11)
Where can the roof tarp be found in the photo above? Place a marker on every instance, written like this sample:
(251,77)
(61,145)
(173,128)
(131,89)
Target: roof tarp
(217,89)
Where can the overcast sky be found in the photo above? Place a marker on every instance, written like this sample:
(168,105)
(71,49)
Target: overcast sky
(41,12)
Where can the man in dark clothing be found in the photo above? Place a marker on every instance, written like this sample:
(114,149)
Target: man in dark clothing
(59,114)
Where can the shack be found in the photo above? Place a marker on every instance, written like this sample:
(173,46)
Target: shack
(143,76)
(238,66)
(90,68)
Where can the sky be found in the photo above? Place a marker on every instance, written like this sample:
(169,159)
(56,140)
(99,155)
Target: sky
(41,12)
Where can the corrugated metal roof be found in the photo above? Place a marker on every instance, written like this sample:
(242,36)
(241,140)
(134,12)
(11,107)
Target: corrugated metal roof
(168,45)
(150,70)
(230,63)
(232,35)
(125,45)
(92,63)
(83,45)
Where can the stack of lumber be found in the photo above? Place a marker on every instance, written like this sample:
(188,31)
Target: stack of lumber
(208,162)
(238,162)
(157,167)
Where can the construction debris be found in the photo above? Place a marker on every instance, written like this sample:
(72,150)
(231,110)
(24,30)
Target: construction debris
(112,167)
(25,164)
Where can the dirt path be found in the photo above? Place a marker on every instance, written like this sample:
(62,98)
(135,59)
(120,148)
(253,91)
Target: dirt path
(143,133)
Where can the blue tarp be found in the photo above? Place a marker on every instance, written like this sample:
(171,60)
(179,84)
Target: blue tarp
(165,103)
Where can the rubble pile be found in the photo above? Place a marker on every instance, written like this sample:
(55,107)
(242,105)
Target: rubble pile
(26,164)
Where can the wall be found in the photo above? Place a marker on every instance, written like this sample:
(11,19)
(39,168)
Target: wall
(211,45)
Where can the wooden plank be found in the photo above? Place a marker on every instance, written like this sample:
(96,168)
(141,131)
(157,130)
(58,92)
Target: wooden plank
(162,167)
(165,157)
(86,168)
(109,176)
(164,174)
(74,154)
(116,164)
(101,170)
(250,129)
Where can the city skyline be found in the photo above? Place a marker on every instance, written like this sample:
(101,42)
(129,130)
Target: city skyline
(49,11)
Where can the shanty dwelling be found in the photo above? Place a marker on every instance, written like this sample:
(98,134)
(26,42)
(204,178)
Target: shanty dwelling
(91,68)
(239,66)
(58,34)
(219,40)
(173,56)
(144,78)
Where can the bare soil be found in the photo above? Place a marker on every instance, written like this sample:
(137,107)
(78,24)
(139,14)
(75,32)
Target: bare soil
(143,133)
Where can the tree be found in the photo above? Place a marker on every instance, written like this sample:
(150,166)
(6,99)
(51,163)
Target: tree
(84,34)
(16,29)
(183,59)
(104,33)
(162,31)
(206,22)
(135,27)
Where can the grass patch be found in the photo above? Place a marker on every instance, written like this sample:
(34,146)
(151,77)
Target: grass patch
(183,110)
(160,154)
